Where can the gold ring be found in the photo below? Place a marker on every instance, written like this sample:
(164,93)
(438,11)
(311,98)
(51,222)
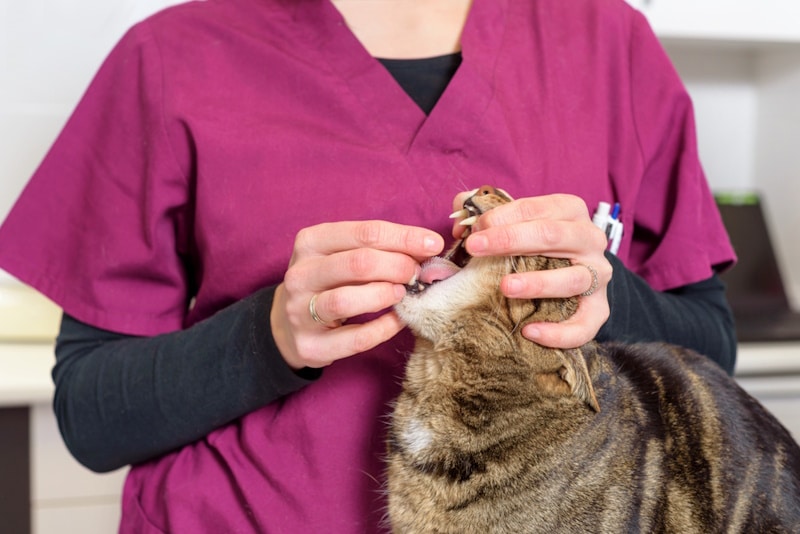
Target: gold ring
(595,281)
(312,309)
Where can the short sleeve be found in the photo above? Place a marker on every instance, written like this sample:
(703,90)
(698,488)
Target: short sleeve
(678,235)
(100,228)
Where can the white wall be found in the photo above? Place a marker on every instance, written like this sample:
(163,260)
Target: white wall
(49,51)
(778,155)
(747,104)
(721,82)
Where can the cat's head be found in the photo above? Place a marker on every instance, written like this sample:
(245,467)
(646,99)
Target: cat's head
(457,305)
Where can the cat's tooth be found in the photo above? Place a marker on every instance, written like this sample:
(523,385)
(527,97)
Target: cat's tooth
(415,288)
(459,213)
(469,221)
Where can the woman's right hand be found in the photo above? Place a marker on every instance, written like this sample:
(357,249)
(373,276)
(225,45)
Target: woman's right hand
(349,269)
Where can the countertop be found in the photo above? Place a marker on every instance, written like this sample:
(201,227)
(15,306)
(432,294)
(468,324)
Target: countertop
(29,323)
(25,370)
(25,373)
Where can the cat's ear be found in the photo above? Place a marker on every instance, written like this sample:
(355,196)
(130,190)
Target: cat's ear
(576,374)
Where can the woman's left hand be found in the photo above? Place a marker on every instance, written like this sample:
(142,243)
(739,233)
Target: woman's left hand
(558,226)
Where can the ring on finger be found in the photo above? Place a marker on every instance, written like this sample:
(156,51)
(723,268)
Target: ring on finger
(312,310)
(595,281)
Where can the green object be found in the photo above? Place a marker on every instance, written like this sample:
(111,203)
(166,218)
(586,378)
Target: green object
(737,197)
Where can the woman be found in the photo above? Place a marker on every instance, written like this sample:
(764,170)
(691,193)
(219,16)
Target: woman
(224,140)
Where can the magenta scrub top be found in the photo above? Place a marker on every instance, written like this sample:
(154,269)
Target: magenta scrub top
(216,130)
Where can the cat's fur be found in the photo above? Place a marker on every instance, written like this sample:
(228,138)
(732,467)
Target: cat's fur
(493,433)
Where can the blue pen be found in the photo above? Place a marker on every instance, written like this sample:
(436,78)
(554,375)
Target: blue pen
(607,219)
(611,219)
(615,233)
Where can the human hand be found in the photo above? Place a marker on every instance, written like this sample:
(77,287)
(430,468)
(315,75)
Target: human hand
(349,269)
(556,226)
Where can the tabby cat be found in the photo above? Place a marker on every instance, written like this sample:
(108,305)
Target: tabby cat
(493,433)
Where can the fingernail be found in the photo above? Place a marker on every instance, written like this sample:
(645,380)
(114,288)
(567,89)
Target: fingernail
(513,286)
(477,243)
(431,244)
(399,291)
(532,333)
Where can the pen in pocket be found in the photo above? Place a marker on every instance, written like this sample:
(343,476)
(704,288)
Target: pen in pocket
(607,218)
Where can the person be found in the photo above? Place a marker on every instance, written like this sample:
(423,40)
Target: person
(247,186)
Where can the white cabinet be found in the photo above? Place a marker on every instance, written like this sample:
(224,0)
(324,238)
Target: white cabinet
(771,373)
(735,20)
(66,498)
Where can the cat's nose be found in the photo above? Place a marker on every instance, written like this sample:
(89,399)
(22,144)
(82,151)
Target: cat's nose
(483,191)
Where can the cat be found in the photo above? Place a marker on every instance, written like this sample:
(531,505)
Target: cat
(493,433)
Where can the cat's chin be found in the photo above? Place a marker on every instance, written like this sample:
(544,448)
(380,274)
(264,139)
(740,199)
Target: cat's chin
(429,312)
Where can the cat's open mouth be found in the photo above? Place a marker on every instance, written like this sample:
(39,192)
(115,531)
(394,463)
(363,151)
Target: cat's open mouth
(440,268)
(456,258)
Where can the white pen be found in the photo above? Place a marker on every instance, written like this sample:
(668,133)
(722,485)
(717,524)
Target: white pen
(600,218)
(608,220)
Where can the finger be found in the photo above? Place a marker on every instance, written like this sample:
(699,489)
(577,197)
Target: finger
(334,344)
(555,283)
(458,228)
(342,303)
(578,330)
(458,206)
(557,238)
(329,238)
(558,206)
(351,267)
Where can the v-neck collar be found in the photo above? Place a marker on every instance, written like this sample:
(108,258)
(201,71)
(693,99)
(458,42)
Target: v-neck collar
(393,113)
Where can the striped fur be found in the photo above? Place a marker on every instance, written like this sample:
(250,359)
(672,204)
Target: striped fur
(495,434)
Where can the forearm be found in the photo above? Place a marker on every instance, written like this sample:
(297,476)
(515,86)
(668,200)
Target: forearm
(696,316)
(122,399)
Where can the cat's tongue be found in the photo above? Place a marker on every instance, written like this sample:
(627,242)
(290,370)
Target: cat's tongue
(437,269)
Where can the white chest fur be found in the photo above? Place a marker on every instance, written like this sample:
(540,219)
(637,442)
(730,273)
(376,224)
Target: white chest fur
(416,437)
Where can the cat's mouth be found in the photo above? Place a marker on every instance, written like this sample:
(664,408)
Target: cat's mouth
(441,268)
